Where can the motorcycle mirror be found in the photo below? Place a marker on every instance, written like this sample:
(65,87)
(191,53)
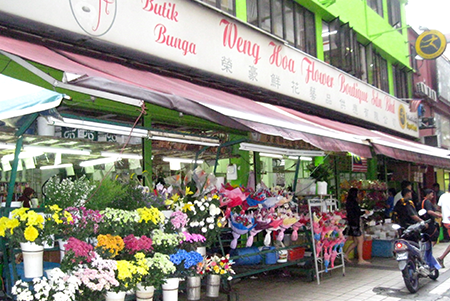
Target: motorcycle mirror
(422,212)
(396,226)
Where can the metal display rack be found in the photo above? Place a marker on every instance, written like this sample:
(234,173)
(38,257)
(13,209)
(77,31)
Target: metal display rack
(325,203)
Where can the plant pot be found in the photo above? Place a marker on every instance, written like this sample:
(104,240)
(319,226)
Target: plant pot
(113,296)
(33,259)
(144,293)
(62,248)
(170,289)
(212,286)
(193,287)
(322,187)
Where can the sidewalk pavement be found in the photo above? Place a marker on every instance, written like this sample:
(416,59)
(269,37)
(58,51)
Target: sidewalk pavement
(360,282)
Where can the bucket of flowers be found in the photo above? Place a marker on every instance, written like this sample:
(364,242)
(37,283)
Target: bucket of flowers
(25,228)
(217,267)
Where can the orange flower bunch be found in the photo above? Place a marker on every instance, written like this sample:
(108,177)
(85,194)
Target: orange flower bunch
(111,245)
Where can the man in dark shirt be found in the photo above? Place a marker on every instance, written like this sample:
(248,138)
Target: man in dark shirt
(405,211)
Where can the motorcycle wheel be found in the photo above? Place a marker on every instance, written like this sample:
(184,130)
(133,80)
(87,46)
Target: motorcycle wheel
(410,277)
(434,274)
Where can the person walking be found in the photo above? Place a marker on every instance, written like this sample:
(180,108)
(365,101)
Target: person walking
(444,204)
(354,214)
(433,229)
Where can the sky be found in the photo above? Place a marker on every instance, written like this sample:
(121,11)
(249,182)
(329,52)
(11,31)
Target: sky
(432,14)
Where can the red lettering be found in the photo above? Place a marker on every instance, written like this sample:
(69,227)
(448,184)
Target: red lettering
(99,17)
(376,101)
(280,60)
(232,40)
(166,10)
(163,38)
(316,75)
(389,104)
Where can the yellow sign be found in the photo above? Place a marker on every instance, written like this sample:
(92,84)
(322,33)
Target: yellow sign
(402,116)
(431,44)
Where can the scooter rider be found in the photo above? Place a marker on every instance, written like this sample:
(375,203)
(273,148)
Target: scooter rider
(405,212)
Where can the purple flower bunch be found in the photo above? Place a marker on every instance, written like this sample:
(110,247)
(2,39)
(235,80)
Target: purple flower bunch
(138,244)
(178,219)
(86,221)
(193,238)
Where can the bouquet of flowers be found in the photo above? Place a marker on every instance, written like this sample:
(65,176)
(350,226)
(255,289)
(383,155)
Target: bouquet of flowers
(240,224)
(134,244)
(119,222)
(58,287)
(109,246)
(149,219)
(159,267)
(86,222)
(186,262)
(166,243)
(25,225)
(219,265)
(67,193)
(97,278)
(205,217)
(77,252)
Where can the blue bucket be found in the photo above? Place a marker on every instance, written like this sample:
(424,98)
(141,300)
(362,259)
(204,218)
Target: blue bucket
(252,256)
(270,257)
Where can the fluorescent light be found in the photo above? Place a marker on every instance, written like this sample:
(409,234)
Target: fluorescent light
(22,155)
(183,138)
(301,158)
(271,155)
(98,161)
(181,160)
(57,150)
(56,166)
(279,150)
(98,126)
(187,141)
(122,156)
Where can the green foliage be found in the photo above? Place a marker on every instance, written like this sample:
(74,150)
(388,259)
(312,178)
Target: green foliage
(322,172)
(105,194)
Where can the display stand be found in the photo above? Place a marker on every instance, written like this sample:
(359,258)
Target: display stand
(324,204)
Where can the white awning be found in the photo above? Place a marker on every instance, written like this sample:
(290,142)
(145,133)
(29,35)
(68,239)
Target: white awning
(18,98)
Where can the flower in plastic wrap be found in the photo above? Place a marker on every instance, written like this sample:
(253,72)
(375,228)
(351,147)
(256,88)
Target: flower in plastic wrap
(289,219)
(262,222)
(240,224)
(231,198)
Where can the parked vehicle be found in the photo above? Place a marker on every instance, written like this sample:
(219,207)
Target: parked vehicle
(414,255)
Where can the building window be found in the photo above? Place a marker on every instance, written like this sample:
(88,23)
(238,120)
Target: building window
(380,74)
(341,48)
(285,19)
(376,5)
(395,18)
(400,82)
(225,5)
(412,57)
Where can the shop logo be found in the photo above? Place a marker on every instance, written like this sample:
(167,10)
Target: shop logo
(431,44)
(402,116)
(95,17)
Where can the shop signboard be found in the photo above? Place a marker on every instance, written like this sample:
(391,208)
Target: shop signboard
(189,34)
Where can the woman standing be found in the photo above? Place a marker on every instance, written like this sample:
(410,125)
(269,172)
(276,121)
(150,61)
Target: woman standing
(354,213)
(27,194)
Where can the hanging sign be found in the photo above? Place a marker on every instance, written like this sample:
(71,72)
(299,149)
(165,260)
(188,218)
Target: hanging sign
(431,44)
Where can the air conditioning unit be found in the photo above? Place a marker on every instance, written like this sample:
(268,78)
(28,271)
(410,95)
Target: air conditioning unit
(433,95)
(432,140)
(427,123)
(421,88)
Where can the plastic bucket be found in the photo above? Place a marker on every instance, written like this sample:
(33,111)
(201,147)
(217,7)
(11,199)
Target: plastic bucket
(367,249)
(250,255)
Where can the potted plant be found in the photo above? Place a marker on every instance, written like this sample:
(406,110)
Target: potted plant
(215,268)
(321,174)
(67,193)
(26,228)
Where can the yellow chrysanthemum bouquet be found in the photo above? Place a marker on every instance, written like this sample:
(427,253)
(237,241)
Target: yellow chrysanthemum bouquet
(25,225)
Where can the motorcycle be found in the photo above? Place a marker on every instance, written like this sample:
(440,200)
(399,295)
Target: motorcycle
(415,259)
